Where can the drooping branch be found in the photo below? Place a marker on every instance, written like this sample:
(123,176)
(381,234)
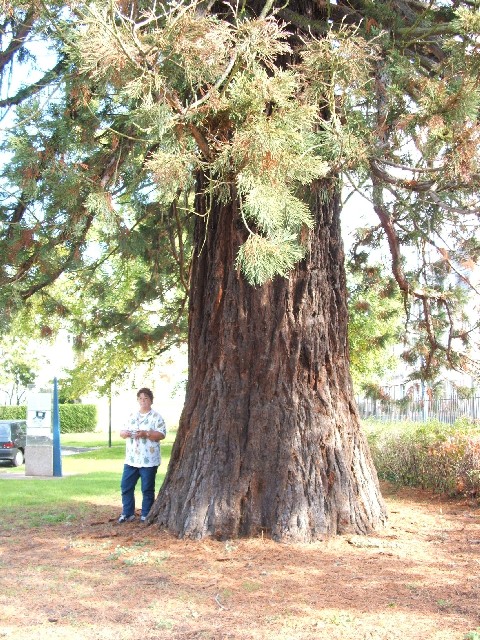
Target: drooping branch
(446,258)
(17,215)
(409,185)
(179,256)
(394,246)
(18,39)
(65,264)
(392,238)
(443,205)
(83,219)
(35,87)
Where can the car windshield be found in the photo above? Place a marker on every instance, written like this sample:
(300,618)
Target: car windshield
(4,432)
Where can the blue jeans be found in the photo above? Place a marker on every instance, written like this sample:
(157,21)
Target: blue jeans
(129,482)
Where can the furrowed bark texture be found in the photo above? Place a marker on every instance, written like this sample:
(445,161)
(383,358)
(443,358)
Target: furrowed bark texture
(269,440)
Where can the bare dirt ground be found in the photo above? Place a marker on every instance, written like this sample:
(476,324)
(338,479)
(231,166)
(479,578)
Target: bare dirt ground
(91,579)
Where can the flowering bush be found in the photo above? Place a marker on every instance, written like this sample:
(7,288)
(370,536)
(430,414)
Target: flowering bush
(435,456)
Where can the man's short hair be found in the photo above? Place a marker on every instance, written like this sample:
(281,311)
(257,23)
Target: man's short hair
(146,391)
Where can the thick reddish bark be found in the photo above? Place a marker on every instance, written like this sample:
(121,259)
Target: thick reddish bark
(269,439)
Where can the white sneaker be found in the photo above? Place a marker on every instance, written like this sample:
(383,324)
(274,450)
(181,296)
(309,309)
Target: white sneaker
(124,518)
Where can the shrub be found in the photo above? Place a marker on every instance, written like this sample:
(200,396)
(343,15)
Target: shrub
(74,418)
(78,418)
(437,456)
(13,412)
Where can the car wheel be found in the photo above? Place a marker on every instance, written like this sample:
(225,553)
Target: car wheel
(18,460)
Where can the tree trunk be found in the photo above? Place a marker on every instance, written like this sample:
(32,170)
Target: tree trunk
(269,440)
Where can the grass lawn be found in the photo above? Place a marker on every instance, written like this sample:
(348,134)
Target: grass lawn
(88,478)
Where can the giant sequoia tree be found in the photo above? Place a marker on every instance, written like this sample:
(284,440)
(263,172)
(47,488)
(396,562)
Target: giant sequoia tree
(231,129)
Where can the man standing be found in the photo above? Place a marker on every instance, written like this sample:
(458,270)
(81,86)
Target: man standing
(142,434)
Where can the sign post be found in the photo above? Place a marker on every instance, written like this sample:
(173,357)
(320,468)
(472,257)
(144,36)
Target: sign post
(39,449)
(57,452)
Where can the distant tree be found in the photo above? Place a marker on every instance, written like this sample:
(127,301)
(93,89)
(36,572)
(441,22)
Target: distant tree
(19,369)
(229,130)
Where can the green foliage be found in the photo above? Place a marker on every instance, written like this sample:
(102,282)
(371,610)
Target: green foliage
(74,418)
(375,321)
(151,120)
(437,456)
(13,412)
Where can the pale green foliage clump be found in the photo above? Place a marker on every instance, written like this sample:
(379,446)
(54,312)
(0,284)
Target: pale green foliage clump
(339,67)
(102,52)
(272,151)
(99,204)
(275,208)
(467,22)
(260,258)
(274,135)
(338,75)
(172,171)
(199,45)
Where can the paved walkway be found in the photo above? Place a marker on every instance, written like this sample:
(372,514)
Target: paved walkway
(70,451)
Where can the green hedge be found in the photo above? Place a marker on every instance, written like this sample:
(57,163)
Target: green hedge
(74,418)
(78,418)
(13,412)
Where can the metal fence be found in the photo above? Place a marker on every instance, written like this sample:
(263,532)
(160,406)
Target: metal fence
(446,410)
